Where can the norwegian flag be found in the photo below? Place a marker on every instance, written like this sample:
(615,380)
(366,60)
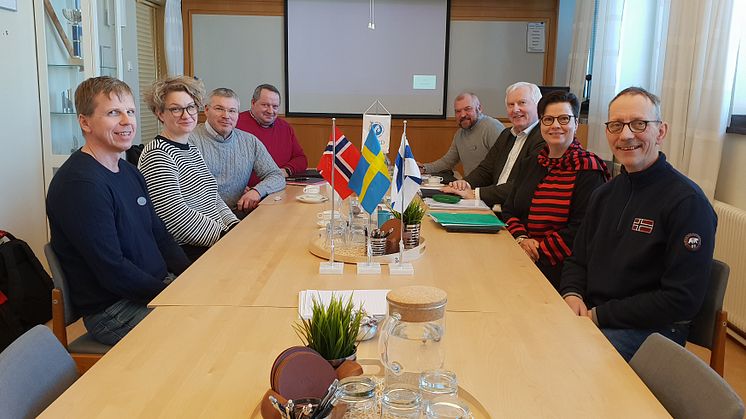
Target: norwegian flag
(346,161)
(643,225)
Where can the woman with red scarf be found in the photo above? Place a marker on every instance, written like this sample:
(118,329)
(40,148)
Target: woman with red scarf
(547,205)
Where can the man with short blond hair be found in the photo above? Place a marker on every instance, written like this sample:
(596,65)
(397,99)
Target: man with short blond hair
(113,248)
(232,155)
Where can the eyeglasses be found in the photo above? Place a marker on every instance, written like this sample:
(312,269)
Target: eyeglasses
(220,109)
(562,119)
(636,126)
(178,111)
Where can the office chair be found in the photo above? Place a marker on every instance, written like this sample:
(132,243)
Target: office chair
(684,385)
(34,370)
(84,350)
(708,326)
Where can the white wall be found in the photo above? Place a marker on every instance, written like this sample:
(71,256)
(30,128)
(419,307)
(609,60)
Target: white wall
(22,209)
(730,186)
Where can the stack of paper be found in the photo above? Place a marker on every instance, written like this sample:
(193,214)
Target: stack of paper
(464,204)
(372,301)
(480,223)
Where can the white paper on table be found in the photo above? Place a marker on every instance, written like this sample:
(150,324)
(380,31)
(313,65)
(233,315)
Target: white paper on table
(464,204)
(372,301)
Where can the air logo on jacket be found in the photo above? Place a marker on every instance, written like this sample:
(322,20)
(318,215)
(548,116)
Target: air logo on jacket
(692,242)
(643,225)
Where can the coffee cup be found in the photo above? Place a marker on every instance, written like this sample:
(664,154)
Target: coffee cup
(312,190)
(433,180)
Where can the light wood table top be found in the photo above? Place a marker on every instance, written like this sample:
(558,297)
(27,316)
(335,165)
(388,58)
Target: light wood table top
(265,262)
(214,362)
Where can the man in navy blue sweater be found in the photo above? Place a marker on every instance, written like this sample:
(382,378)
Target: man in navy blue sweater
(115,252)
(641,260)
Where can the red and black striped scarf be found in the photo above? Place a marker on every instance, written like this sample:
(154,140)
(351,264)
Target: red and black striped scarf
(550,206)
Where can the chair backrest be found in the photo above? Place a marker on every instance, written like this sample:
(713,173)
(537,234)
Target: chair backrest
(702,329)
(685,386)
(58,277)
(34,370)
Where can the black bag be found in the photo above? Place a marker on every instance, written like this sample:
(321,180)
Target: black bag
(25,289)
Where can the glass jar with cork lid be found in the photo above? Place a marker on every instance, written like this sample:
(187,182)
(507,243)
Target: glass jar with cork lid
(411,339)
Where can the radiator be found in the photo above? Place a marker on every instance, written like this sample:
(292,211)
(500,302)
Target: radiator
(729,247)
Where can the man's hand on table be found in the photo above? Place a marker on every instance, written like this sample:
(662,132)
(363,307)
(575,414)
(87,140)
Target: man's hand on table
(460,188)
(249,200)
(531,247)
(577,305)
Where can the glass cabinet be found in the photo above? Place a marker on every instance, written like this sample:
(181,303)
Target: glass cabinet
(76,39)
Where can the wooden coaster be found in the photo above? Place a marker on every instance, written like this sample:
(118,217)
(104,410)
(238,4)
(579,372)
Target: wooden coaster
(303,374)
(284,354)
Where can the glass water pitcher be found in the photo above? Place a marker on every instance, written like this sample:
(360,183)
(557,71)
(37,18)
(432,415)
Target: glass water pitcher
(411,338)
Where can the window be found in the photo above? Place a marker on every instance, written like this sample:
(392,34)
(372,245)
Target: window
(738,104)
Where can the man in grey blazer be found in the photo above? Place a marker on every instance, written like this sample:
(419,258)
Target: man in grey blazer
(493,178)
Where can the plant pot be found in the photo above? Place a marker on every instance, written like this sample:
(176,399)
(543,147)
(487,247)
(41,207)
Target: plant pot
(412,235)
(337,362)
(378,246)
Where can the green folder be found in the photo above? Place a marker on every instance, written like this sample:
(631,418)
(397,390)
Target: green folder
(466,219)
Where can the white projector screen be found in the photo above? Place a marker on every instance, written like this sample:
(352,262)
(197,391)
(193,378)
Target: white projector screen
(337,65)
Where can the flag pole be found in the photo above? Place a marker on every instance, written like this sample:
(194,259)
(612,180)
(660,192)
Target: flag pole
(401,200)
(332,268)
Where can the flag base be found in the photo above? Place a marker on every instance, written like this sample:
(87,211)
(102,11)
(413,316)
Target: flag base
(331,268)
(401,269)
(365,268)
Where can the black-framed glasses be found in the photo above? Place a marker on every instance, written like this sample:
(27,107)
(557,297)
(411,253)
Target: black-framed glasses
(178,111)
(636,126)
(562,119)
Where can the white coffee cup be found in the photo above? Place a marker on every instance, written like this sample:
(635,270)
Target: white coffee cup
(312,190)
(433,180)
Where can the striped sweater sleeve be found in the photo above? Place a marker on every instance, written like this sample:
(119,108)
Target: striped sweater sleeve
(187,225)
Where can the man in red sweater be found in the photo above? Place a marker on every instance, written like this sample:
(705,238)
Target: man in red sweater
(276,134)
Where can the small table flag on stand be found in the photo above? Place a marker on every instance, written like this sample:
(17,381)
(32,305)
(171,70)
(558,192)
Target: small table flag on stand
(370,181)
(406,184)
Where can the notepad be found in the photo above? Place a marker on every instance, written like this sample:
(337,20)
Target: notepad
(466,219)
(372,301)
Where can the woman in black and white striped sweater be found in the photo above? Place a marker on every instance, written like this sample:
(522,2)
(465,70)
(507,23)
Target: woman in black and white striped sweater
(183,191)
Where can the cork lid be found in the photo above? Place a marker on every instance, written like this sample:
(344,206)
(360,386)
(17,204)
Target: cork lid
(417,303)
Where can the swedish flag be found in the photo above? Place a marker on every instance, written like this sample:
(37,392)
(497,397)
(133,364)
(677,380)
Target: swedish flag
(371,177)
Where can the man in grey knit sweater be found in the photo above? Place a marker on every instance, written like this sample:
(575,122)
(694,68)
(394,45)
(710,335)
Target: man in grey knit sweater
(232,154)
(477,133)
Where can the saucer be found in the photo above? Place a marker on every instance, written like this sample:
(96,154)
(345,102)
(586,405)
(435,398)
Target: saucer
(311,198)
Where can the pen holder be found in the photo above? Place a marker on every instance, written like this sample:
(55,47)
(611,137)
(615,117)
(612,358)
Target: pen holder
(378,246)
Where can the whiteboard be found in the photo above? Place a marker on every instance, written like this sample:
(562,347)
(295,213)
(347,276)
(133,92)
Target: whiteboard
(241,52)
(488,56)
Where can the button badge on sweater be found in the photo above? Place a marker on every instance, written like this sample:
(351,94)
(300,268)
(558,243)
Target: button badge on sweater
(692,242)
(141,201)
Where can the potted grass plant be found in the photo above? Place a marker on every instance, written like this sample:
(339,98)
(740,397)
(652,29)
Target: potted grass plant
(332,330)
(412,220)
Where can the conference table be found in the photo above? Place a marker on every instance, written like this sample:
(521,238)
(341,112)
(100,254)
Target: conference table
(207,348)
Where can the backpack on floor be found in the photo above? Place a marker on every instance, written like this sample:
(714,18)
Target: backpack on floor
(25,289)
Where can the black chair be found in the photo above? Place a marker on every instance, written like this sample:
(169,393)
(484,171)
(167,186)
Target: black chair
(709,326)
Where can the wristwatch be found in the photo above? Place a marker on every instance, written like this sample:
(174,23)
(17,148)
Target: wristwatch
(520,239)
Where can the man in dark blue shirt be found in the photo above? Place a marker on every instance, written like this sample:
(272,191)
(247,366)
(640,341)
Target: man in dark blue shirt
(641,260)
(115,252)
